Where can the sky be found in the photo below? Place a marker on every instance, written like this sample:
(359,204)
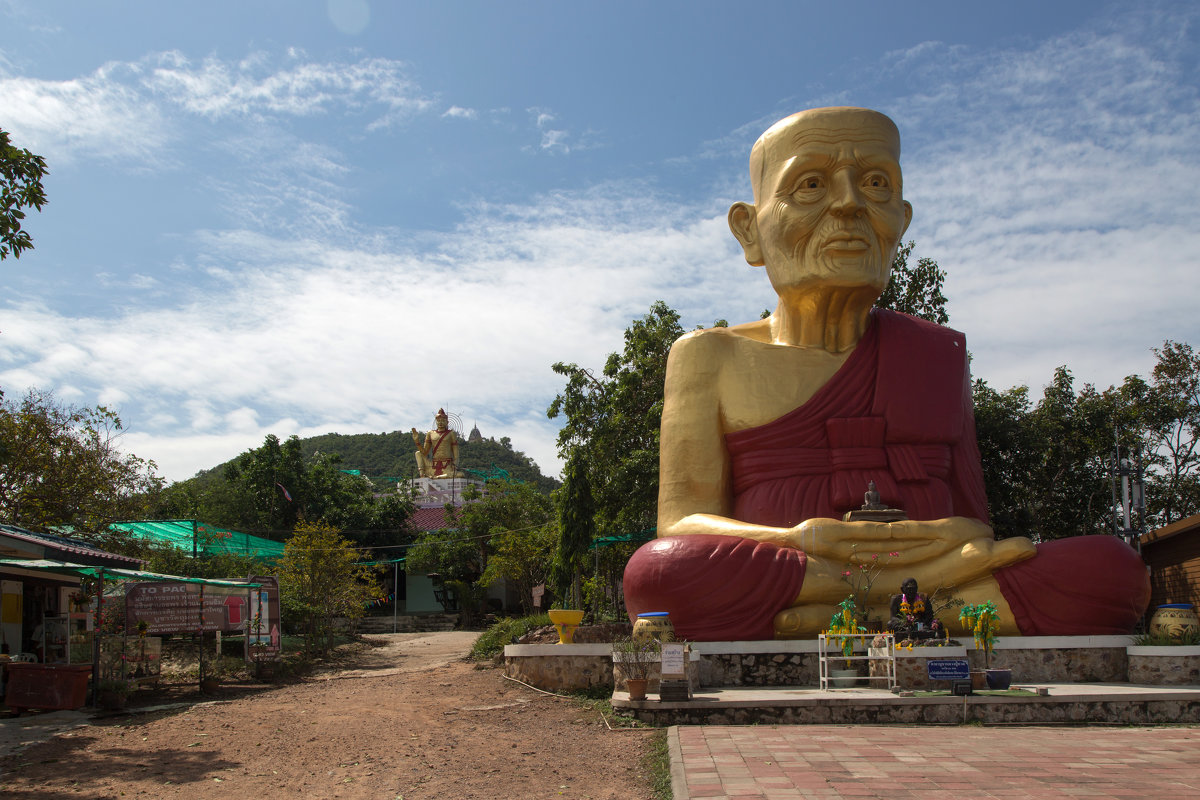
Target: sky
(308,217)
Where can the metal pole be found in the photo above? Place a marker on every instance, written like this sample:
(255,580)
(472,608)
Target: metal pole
(395,595)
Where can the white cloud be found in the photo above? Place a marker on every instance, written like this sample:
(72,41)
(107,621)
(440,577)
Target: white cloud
(99,116)
(217,88)
(378,339)
(458,112)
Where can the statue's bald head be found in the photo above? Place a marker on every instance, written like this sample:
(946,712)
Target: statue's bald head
(818,124)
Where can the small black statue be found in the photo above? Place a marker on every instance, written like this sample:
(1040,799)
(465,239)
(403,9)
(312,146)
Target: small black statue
(912,615)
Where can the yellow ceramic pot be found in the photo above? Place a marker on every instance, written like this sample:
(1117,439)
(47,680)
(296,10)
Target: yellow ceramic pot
(1174,620)
(565,622)
(654,625)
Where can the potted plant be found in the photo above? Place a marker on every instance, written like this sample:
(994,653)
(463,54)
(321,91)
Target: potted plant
(111,693)
(634,658)
(845,621)
(980,620)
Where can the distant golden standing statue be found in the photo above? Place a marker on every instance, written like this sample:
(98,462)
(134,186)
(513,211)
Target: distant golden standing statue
(771,430)
(437,456)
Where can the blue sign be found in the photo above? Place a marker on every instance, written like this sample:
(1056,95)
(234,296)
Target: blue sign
(948,669)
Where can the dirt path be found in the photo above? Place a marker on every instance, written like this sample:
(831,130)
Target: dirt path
(405,718)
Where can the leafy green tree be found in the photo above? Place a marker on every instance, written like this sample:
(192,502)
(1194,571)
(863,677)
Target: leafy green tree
(612,421)
(505,531)
(270,488)
(916,289)
(577,529)
(1009,451)
(1173,422)
(21,174)
(61,465)
(321,580)
(272,479)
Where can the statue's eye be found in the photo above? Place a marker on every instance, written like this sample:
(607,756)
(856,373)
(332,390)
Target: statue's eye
(876,181)
(809,186)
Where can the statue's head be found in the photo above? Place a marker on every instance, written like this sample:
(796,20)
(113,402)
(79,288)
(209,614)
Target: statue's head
(909,587)
(828,207)
(441,419)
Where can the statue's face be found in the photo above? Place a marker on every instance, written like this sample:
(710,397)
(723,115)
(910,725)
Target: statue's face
(440,422)
(829,205)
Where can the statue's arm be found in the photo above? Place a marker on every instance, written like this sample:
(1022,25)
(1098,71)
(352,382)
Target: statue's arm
(695,485)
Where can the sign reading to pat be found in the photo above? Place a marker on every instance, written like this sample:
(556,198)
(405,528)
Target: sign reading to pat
(673,659)
(948,669)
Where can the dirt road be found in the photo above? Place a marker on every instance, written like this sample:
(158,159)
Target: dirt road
(403,718)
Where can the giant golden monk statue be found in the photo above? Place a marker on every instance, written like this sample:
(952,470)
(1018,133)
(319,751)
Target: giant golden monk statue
(772,430)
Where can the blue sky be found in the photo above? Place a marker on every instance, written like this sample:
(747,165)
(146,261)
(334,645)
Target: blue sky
(305,217)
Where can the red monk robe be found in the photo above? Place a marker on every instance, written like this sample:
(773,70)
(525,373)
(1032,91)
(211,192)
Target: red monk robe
(899,413)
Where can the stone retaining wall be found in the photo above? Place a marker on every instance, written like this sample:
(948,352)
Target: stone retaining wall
(916,711)
(562,667)
(1164,666)
(1076,659)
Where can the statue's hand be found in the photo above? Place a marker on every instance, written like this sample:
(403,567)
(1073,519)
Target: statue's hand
(946,552)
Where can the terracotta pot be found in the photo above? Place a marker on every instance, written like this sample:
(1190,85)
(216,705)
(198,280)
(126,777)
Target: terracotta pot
(637,688)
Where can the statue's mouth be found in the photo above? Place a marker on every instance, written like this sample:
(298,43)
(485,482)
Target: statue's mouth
(847,241)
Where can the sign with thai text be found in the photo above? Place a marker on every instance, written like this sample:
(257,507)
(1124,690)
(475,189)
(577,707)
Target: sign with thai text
(174,607)
(948,669)
(673,656)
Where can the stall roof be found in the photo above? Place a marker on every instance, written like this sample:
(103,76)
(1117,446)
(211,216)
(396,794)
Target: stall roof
(67,568)
(23,541)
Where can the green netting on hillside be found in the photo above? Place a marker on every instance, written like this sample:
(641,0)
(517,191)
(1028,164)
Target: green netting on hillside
(207,539)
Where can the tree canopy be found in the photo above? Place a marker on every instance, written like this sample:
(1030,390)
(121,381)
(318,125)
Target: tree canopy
(272,488)
(61,465)
(612,421)
(21,174)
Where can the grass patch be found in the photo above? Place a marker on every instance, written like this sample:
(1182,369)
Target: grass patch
(1186,639)
(657,764)
(505,631)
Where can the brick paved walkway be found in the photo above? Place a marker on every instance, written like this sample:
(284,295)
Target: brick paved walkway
(935,763)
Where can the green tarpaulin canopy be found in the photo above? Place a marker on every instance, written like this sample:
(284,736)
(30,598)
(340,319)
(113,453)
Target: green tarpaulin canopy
(188,534)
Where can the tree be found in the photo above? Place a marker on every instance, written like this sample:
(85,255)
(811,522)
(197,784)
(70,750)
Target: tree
(21,174)
(320,580)
(505,531)
(1173,422)
(612,422)
(272,487)
(915,290)
(577,529)
(60,465)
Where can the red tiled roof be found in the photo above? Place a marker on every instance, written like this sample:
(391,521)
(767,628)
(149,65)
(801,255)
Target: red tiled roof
(430,519)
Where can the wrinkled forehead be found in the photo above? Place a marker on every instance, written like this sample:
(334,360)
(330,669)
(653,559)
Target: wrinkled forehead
(824,129)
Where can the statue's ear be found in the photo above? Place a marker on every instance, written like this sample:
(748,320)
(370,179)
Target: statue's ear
(907,215)
(743,221)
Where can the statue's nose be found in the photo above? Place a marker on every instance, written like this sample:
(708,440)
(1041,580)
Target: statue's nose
(845,197)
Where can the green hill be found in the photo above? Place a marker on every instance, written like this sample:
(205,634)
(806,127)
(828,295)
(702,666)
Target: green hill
(390,456)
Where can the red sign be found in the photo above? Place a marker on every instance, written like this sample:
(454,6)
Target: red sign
(174,607)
